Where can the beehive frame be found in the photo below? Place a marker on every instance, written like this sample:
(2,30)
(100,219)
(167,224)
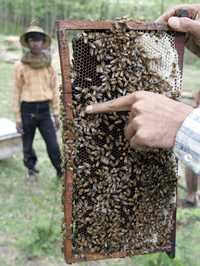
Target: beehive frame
(62,28)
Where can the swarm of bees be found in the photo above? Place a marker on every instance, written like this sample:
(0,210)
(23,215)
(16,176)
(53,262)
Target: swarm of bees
(124,200)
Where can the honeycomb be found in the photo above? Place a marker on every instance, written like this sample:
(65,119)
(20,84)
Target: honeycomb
(123,199)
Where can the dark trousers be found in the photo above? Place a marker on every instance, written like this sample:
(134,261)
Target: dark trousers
(37,115)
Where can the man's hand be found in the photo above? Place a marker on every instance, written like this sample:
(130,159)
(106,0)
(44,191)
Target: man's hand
(56,122)
(19,127)
(183,24)
(154,119)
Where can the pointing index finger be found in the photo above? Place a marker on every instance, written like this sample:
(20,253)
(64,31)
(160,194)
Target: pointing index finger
(120,104)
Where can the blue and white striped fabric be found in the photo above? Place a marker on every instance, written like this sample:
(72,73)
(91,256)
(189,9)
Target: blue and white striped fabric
(187,144)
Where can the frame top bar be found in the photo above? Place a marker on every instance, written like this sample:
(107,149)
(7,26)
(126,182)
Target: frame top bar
(108,25)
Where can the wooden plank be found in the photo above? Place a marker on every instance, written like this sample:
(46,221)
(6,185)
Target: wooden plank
(67,87)
(107,25)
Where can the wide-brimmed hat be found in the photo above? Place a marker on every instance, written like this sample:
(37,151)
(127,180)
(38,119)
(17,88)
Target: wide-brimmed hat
(35,29)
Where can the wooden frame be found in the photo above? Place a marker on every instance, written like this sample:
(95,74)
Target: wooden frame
(62,27)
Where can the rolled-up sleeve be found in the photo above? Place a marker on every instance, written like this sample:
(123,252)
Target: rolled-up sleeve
(187,144)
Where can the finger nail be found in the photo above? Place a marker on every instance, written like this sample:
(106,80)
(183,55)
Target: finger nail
(89,109)
(174,23)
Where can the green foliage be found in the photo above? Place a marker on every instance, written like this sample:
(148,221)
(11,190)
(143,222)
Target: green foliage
(16,15)
(159,259)
(163,260)
(42,240)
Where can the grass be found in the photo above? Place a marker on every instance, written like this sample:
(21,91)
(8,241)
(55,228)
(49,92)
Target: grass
(31,215)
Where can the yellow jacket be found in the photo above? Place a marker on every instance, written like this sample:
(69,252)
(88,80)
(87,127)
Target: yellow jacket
(34,85)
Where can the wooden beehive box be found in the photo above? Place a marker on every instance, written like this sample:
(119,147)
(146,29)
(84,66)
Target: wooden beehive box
(10,140)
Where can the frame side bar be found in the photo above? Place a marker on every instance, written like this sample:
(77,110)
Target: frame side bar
(68,182)
(180,46)
(180,38)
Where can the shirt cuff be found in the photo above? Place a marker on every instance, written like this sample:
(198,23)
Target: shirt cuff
(187,143)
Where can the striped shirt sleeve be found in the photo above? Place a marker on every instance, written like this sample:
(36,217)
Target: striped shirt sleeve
(187,143)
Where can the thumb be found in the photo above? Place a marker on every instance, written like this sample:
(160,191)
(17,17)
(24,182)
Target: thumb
(184,25)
